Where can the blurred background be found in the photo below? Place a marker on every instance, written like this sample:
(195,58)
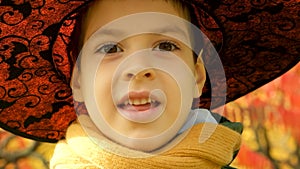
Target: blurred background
(271,137)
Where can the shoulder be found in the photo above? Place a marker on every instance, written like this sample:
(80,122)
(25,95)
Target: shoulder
(236,126)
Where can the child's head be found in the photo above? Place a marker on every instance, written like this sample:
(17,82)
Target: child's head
(145,81)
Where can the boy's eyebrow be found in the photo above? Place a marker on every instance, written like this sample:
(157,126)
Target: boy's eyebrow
(166,30)
(173,29)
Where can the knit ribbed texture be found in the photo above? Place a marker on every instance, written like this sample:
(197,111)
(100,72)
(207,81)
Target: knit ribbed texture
(79,152)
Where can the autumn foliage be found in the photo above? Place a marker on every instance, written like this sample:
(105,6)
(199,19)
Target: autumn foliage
(271,117)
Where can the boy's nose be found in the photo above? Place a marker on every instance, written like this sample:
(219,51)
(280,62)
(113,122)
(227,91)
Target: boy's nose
(147,74)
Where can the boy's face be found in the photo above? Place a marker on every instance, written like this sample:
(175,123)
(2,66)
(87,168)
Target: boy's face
(140,96)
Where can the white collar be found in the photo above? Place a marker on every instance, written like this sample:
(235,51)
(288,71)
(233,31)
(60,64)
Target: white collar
(197,116)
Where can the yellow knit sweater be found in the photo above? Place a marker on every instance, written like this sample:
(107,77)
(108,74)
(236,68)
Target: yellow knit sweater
(78,151)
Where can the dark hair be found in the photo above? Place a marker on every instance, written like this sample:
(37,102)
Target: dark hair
(76,41)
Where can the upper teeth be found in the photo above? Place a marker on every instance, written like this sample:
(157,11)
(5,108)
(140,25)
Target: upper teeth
(138,101)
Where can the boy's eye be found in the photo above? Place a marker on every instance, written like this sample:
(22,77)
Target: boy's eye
(109,48)
(166,46)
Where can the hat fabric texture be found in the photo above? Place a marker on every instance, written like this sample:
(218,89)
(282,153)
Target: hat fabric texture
(257,41)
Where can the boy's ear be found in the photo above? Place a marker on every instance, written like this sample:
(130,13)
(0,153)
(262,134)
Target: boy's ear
(200,76)
(75,85)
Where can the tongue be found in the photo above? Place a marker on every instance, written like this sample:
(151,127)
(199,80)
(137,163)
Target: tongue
(142,107)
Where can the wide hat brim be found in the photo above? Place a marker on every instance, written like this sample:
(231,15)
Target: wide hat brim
(257,41)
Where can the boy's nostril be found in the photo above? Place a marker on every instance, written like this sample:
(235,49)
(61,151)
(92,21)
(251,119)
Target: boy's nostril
(148,74)
(130,75)
(144,74)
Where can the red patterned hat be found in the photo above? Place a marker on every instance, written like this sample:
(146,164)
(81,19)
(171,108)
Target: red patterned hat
(257,41)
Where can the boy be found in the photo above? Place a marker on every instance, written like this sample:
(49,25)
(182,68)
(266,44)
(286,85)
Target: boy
(138,76)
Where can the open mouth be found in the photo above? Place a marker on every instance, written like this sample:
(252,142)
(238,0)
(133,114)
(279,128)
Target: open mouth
(140,107)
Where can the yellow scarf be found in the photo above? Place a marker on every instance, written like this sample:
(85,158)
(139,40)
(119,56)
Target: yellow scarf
(78,151)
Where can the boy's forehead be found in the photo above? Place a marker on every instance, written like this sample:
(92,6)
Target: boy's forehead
(145,23)
(104,11)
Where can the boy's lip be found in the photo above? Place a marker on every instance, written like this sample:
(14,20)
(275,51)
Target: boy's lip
(140,106)
(137,98)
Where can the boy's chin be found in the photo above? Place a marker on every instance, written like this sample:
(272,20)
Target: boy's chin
(145,145)
(146,142)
